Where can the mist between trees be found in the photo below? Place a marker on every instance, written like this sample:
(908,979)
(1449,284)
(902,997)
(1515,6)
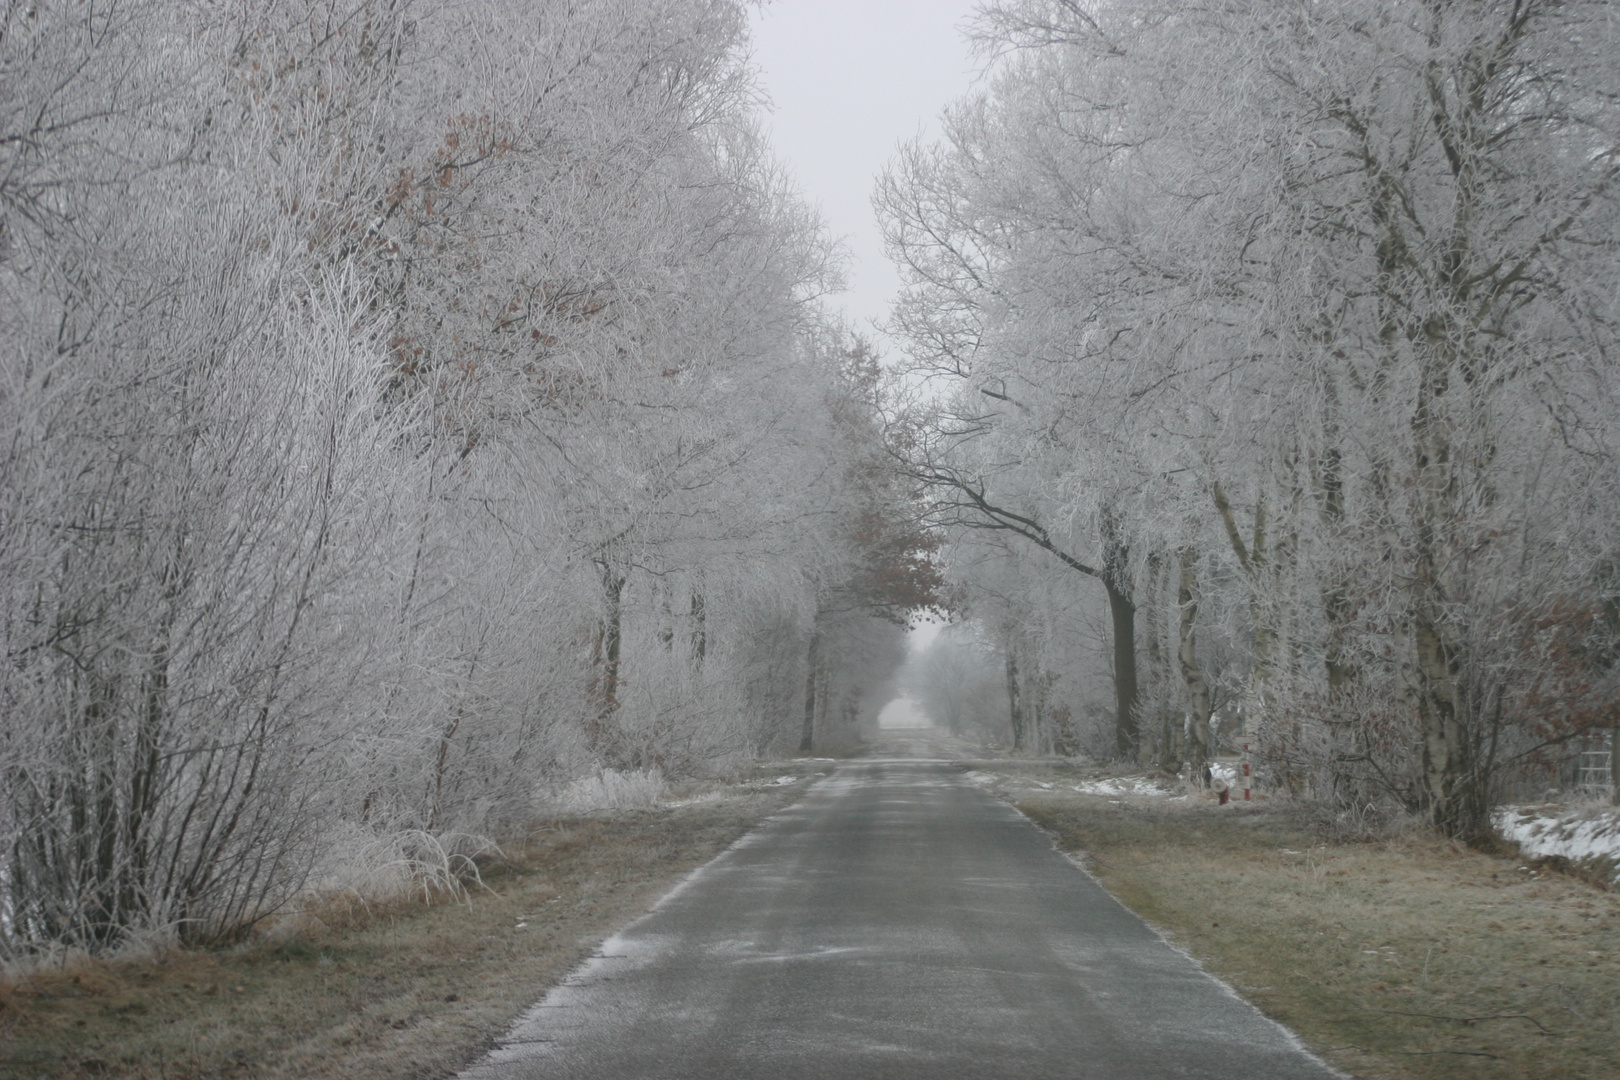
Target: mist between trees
(1272,358)
(408,409)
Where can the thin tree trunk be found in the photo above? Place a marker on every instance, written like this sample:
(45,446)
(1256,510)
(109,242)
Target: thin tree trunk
(1039,738)
(666,625)
(1262,574)
(1327,478)
(445,738)
(1197,748)
(807,737)
(612,641)
(824,702)
(1116,579)
(1150,728)
(1015,706)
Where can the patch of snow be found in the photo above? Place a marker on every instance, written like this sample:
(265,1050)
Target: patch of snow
(716,795)
(1122,785)
(983,779)
(770,781)
(1574,835)
(733,790)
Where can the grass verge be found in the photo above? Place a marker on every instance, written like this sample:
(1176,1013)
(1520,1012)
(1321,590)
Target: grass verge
(1407,959)
(405,992)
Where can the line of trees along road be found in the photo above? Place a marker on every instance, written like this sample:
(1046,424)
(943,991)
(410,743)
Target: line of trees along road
(1288,330)
(405,407)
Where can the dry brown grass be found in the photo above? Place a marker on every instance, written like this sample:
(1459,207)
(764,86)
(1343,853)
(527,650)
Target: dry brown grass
(1408,957)
(406,991)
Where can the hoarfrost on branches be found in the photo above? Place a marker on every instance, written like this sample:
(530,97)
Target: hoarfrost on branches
(411,410)
(1291,326)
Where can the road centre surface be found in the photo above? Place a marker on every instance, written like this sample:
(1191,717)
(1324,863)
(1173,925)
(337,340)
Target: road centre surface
(899,923)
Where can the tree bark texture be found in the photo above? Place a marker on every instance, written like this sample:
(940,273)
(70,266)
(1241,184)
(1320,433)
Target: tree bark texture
(1451,789)
(609,640)
(1197,743)
(1150,727)
(1015,705)
(807,735)
(1122,613)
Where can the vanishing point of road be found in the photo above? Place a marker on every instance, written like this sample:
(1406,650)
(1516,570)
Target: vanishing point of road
(896,923)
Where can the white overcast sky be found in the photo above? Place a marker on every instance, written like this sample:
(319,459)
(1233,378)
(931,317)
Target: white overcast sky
(849,80)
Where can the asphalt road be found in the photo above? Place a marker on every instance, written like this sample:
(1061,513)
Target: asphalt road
(897,923)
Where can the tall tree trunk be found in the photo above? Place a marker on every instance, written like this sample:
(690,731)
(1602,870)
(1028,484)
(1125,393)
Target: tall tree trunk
(1445,750)
(1150,729)
(807,736)
(1116,579)
(1262,576)
(1015,705)
(1198,710)
(824,702)
(1172,738)
(1450,785)
(1039,737)
(608,643)
(1168,724)
(1122,612)
(1327,479)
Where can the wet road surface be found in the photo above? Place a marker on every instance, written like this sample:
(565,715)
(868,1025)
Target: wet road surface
(897,923)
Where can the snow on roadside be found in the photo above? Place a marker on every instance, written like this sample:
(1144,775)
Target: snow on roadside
(1123,785)
(1575,835)
(1110,786)
(769,781)
(721,792)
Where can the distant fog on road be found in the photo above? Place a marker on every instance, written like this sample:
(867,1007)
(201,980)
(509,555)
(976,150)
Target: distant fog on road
(902,712)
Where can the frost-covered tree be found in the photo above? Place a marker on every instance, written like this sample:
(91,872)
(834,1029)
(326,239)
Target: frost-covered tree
(408,408)
(882,571)
(1316,303)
